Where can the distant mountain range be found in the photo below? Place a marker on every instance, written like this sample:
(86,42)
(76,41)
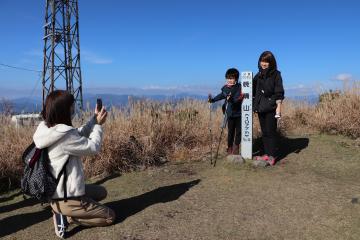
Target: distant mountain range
(310,99)
(34,104)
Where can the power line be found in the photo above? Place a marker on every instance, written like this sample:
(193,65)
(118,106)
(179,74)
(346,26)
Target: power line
(36,85)
(20,68)
(32,94)
(28,70)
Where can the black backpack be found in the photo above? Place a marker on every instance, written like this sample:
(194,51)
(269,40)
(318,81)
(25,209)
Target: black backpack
(38,181)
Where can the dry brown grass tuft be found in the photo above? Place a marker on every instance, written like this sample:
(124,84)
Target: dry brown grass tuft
(340,114)
(12,144)
(296,117)
(148,133)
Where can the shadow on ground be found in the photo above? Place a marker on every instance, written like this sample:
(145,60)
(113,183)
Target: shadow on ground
(291,145)
(19,222)
(125,208)
(23,203)
(286,146)
(11,197)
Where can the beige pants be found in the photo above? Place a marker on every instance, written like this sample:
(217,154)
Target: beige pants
(86,211)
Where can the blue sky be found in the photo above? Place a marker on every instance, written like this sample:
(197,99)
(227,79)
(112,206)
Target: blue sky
(190,44)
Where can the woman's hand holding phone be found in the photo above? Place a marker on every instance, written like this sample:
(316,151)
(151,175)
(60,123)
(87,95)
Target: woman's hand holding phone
(100,112)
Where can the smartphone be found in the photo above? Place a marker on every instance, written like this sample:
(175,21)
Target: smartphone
(99,104)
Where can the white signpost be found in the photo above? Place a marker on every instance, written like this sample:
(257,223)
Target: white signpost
(246,115)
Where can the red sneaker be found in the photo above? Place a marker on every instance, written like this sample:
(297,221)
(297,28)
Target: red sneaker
(262,158)
(236,150)
(271,160)
(229,150)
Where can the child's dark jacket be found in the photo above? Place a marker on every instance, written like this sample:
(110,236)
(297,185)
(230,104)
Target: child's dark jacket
(234,102)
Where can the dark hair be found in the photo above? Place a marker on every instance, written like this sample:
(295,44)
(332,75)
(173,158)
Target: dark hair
(268,57)
(57,108)
(232,73)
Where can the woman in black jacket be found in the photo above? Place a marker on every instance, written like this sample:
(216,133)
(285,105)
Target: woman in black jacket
(268,94)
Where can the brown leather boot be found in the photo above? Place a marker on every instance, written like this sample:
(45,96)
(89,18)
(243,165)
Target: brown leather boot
(236,150)
(229,150)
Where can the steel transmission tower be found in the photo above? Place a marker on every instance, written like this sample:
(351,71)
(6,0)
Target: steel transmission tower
(61,68)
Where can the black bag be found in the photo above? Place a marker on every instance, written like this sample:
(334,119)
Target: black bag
(37,180)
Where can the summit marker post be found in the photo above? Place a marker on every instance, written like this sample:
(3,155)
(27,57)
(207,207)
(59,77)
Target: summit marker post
(246,115)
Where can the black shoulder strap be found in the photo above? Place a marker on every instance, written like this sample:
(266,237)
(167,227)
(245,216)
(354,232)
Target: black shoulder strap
(27,151)
(63,171)
(64,183)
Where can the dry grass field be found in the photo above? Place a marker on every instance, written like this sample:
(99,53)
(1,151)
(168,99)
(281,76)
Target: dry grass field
(148,133)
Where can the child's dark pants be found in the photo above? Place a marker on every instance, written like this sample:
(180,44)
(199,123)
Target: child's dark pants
(234,130)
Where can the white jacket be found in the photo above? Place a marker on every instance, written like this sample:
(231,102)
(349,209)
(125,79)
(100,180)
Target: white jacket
(63,141)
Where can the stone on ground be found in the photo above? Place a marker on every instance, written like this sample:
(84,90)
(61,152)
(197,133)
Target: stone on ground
(260,163)
(235,159)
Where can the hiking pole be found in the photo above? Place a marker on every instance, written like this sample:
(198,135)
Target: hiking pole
(223,125)
(210,130)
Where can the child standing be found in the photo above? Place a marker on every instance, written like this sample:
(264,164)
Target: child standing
(233,96)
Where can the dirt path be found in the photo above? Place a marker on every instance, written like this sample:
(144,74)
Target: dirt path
(312,194)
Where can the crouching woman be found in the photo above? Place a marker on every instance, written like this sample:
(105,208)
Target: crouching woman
(73,201)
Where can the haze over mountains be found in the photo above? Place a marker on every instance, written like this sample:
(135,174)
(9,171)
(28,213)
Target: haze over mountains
(23,103)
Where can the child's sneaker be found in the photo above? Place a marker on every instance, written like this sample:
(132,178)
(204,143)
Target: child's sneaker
(262,158)
(229,150)
(236,150)
(60,224)
(271,160)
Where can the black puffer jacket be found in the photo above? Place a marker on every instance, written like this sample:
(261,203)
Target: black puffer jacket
(267,89)
(235,100)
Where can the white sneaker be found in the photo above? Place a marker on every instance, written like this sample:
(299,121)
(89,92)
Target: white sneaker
(60,225)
